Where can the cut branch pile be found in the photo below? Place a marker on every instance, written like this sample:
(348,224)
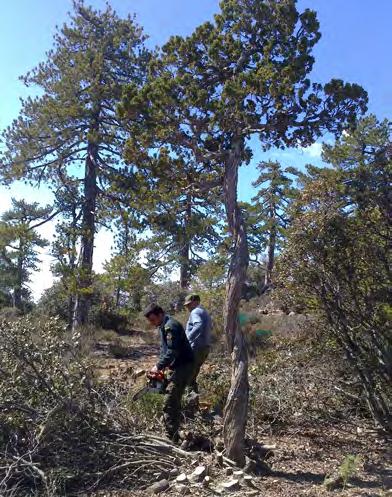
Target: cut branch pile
(135,461)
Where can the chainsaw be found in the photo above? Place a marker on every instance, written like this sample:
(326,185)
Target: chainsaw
(157,382)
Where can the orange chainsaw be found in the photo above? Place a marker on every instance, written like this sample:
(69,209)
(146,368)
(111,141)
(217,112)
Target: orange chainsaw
(156,383)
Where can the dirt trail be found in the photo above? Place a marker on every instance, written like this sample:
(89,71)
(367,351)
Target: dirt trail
(124,357)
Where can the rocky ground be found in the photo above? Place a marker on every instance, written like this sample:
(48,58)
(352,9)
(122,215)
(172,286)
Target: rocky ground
(345,458)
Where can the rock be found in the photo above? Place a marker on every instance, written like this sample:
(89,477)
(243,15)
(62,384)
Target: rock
(199,473)
(231,485)
(159,486)
(139,372)
(182,489)
(248,480)
(174,472)
(218,490)
(291,313)
(206,481)
(238,474)
(182,478)
(228,471)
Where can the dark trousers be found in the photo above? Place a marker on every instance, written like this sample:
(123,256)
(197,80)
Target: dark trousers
(174,392)
(200,356)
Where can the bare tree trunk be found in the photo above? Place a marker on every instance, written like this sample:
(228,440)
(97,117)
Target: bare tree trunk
(124,250)
(236,408)
(184,266)
(118,292)
(17,300)
(72,241)
(271,253)
(83,297)
(185,263)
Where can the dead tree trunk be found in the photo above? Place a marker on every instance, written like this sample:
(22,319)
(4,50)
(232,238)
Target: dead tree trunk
(83,296)
(236,408)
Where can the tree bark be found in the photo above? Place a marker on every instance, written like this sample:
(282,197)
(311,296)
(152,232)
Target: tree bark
(83,296)
(72,241)
(184,266)
(70,310)
(271,252)
(236,408)
(185,263)
(19,277)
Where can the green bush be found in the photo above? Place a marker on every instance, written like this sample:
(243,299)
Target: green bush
(62,432)
(49,410)
(337,257)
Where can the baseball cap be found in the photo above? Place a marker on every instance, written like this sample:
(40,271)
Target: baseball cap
(192,297)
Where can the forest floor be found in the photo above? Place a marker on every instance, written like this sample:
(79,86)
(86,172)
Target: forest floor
(300,456)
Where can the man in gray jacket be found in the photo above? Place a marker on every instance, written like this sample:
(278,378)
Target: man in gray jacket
(198,332)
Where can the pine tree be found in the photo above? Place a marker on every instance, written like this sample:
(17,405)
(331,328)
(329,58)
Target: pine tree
(19,242)
(64,246)
(185,223)
(124,272)
(244,74)
(271,205)
(72,127)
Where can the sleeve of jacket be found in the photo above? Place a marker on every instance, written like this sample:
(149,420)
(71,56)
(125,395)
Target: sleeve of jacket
(197,328)
(172,338)
(161,353)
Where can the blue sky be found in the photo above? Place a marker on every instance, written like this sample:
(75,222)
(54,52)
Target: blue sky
(355,46)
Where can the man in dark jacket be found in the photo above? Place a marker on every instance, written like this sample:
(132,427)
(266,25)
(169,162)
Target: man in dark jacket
(175,354)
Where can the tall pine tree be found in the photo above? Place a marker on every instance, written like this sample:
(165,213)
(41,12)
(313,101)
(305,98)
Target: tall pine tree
(245,73)
(184,222)
(72,127)
(271,204)
(65,244)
